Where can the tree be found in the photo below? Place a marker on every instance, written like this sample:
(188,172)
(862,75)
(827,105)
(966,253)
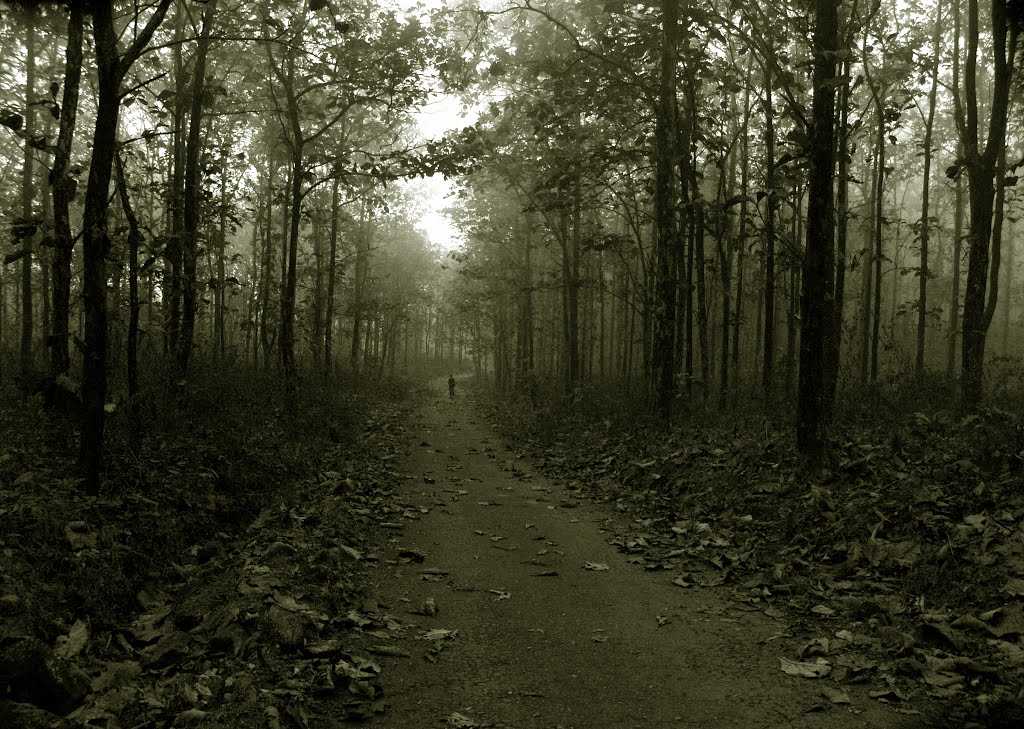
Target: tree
(191,208)
(925,224)
(664,215)
(111,68)
(983,165)
(63,186)
(818,296)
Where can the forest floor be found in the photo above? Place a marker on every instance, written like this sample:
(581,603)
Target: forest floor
(304,559)
(510,606)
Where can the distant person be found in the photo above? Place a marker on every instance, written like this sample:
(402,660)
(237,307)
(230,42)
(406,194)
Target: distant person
(451,386)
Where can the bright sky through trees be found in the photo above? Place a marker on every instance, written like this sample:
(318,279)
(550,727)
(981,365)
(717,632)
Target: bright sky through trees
(442,113)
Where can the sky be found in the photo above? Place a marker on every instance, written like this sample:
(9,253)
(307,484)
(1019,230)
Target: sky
(442,113)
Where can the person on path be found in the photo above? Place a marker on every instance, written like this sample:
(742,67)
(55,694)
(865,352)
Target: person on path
(451,386)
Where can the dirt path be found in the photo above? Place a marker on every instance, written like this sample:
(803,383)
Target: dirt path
(580,649)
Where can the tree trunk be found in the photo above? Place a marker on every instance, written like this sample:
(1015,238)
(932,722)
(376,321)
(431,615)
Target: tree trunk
(362,255)
(876,315)
(332,277)
(702,299)
(220,335)
(134,239)
(834,342)
(190,295)
(110,70)
(741,255)
(63,191)
(28,190)
(982,168)
(768,356)
(664,215)
(176,199)
(818,296)
(923,272)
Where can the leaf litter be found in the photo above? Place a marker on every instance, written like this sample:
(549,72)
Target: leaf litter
(261,628)
(910,550)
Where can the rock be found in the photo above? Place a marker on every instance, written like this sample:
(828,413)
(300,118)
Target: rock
(33,675)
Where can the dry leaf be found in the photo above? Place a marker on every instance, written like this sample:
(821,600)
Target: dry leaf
(805,669)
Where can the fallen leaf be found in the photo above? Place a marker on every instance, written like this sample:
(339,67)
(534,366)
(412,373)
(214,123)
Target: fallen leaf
(835,695)
(888,695)
(805,669)
(1014,587)
(546,573)
(70,645)
(439,634)
(461,721)
(595,566)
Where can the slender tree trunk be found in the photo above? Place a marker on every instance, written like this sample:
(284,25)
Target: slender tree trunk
(362,263)
(923,272)
(727,187)
(28,190)
(834,343)
(176,198)
(267,267)
(332,277)
(876,315)
(110,70)
(741,255)
(702,301)
(63,190)
(190,295)
(1008,298)
(220,334)
(664,214)
(985,194)
(134,239)
(957,255)
(768,356)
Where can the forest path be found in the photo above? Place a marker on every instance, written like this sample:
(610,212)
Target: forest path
(583,649)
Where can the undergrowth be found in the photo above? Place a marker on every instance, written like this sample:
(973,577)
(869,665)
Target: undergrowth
(209,455)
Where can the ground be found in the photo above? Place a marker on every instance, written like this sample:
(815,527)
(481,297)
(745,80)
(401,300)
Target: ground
(541,622)
(414,561)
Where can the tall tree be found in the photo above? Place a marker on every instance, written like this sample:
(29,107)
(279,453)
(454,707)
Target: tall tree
(664,212)
(925,224)
(28,189)
(192,203)
(111,68)
(63,185)
(818,295)
(982,164)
